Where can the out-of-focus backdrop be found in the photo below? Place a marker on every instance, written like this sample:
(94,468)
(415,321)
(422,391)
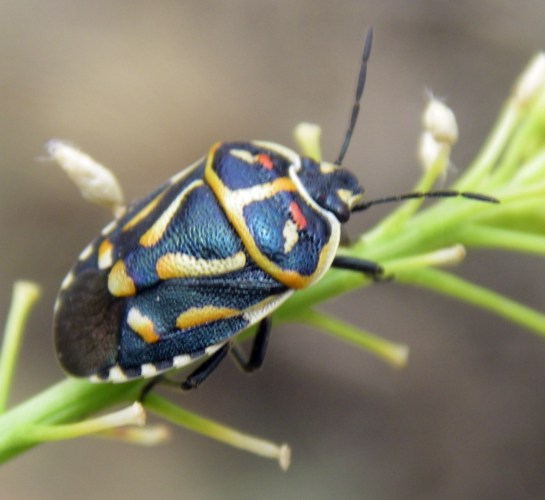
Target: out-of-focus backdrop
(146,88)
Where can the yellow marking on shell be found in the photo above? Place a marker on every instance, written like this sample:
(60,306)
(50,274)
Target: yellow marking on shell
(106,230)
(179,265)
(290,234)
(86,252)
(143,213)
(355,199)
(142,325)
(120,283)
(243,155)
(233,203)
(196,316)
(327,168)
(105,254)
(345,195)
(349,197)
(155,232)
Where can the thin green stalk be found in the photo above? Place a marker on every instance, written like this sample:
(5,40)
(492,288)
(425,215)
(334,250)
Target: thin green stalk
(391,352)
(25,294)
(448,284)
(405,211)
(68,401)
(508,239)
(132,415)
(492,149)
(218,431)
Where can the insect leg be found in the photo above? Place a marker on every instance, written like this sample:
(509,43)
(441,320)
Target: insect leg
(259,348)
(367,267)
(204,370)
(194,379)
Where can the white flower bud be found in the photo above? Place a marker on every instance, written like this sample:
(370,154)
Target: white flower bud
(428,150)
(531,81)
(95,182)
(307,137)
(439,120)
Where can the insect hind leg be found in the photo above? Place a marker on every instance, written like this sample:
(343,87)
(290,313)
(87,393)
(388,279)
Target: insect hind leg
(194,379)
(205,369)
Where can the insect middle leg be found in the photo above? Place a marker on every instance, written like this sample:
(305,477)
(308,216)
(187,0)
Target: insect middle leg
(259,348)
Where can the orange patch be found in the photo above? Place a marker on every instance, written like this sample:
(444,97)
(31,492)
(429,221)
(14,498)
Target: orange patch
(120,283)
(297,216)
(196,316)
(105,255)
(142,325)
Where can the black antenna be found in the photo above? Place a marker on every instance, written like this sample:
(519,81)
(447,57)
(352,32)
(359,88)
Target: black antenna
(359,91)
(430,194)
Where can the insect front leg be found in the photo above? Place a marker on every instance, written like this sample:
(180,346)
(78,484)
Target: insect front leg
(367,267)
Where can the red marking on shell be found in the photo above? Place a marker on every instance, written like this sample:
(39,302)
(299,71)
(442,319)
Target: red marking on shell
(297,216)
(265,161)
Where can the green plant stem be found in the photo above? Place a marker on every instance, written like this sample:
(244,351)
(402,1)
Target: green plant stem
(391,352)
(25,294)
(492,149)
(508,239)
(68,401)
(217,431)
(448,284)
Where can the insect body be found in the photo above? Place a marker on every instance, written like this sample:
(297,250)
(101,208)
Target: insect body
(214,250)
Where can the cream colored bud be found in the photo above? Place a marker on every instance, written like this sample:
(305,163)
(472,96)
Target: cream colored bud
(439,120)
(428,150)
(531,81)
(307,137)
(95,182)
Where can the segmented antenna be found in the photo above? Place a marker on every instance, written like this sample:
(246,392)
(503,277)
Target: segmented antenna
(429,194)
(359,92)
(348,136)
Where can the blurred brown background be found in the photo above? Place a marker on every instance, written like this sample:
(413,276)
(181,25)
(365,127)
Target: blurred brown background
(146,88)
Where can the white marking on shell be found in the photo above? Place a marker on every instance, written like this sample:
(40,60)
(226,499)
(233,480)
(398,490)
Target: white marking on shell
(181,360)
(264,308)
(67,281)
(243,155)
(148,370)
(106,230)
(86,252)
(290,234)
(106,258)
(211,349)
(116,374)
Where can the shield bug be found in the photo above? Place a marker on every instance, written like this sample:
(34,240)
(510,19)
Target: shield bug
(214,250)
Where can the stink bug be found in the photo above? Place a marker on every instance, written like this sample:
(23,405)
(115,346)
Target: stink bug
(215,249)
